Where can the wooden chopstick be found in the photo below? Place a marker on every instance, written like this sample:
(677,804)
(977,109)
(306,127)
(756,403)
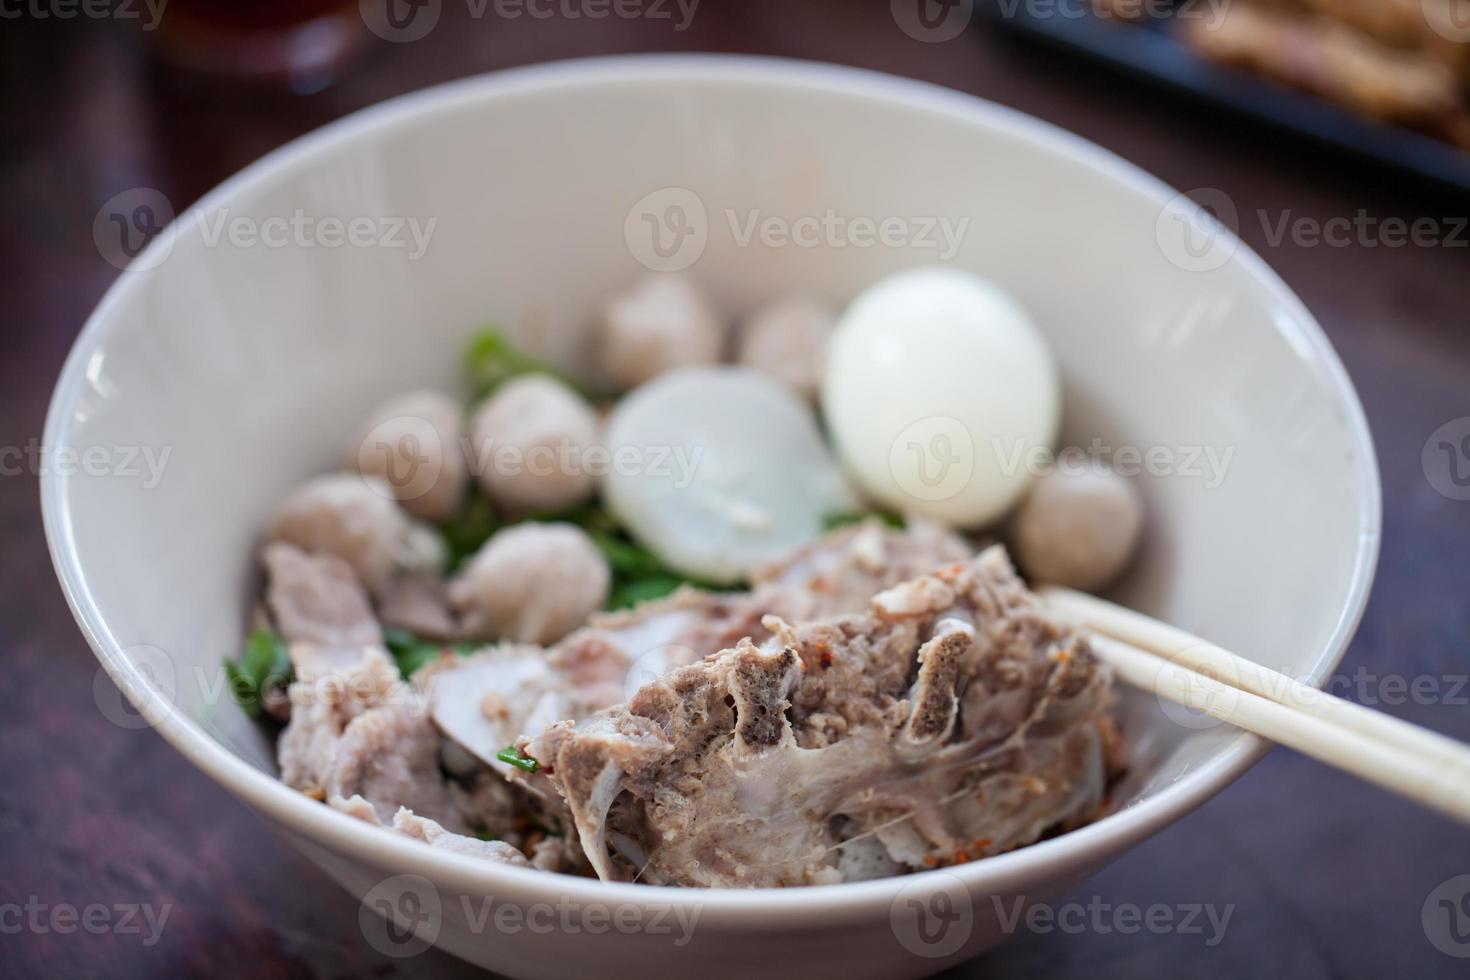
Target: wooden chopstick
(1421,765)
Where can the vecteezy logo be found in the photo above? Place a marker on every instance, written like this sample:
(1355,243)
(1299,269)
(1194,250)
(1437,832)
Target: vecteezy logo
(407,452)
(1450,19)
(932,21)
(400,21)
(652,664)
(932,459)
(1446,459)
(1193,230)
(667,230)
(1204,694)
(400,916)
(141,696)
(126,224)
(932,915)
(1446,917)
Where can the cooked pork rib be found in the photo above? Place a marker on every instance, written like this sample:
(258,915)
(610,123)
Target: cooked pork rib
(486,701)
(949,721)
(906,724)
(842,571)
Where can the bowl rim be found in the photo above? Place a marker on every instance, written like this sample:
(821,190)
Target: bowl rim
(1086,847)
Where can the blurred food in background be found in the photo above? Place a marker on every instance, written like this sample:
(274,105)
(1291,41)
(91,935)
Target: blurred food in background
(1391,60)
(1388,80)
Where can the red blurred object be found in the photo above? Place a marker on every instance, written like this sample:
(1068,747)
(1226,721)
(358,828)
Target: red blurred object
(304,44)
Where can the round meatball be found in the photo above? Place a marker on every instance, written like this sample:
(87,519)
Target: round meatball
(533,583)
(1078,528)
(788,340)
(413,444)
(348,515)
(663,323)
(530,445)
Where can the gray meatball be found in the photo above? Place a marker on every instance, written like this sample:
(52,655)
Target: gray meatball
(664,322)
(530,442)
(348,515)
(1078,528)
(413,443)
(532,582)
(787,339)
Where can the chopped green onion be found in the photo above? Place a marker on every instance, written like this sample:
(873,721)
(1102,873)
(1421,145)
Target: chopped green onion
(513,756)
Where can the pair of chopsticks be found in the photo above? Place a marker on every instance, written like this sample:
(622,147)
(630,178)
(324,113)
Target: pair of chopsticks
(1425,767)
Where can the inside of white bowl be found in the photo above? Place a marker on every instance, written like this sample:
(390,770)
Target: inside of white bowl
(251,365)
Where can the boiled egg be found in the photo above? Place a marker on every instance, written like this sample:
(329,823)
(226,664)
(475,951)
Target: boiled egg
(941,395)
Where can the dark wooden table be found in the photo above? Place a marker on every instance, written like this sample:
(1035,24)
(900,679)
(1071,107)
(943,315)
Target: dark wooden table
(1324,877)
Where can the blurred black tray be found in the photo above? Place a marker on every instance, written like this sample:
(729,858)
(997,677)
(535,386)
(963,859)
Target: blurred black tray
(1151,52)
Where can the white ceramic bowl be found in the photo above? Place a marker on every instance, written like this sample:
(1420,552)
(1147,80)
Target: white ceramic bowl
(253,363)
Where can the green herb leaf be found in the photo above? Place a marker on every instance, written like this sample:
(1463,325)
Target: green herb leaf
(626,558)
(243,689)
(411,652)
(491,360)
(843,518)
(627,594)
(467,532)
(513,756)
(262,670)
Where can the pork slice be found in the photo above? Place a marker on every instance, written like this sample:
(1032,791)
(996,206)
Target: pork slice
(522,688)
(618,652)
(606,662)
(485,701)
(758,766)
(410,824)
(333,686)
(840,572)
(419,603)
(317,599)
(389,756)
(421,828)
(488,700)
(357,729)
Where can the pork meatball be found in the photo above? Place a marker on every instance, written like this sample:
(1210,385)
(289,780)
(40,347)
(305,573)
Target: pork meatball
(532,583)
(413,444)
(787,339)
(1078,527)
(530,444)
(663,323)
(348,515)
